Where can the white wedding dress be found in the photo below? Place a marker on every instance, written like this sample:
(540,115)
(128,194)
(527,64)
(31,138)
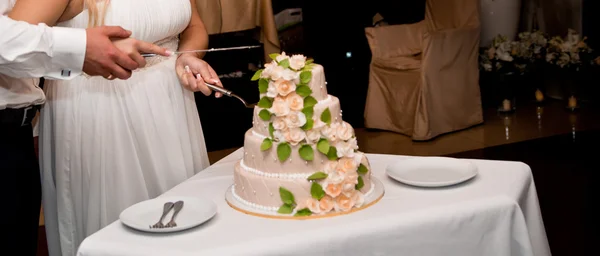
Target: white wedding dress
(106,145)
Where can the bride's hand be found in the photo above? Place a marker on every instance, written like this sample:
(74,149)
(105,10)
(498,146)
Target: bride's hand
(134,49)
(193,72)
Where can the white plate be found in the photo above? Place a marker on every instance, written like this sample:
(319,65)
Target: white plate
(432,171)
(142,215)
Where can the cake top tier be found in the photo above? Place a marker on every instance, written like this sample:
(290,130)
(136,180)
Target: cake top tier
(285,75)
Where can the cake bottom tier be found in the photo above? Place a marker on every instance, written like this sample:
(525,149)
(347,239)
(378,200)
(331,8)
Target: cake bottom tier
(262,192)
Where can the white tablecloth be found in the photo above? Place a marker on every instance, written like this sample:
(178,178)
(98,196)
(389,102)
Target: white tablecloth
(496,213)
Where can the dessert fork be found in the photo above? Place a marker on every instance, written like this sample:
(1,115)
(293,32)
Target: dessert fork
(229,94)
(166,208)
(178,206)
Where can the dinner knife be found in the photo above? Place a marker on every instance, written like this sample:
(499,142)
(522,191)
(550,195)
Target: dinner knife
(145,55)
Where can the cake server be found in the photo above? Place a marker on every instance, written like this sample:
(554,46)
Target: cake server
(145,55)
(229,94)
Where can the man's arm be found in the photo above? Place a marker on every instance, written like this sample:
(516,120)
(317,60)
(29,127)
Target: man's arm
(40,51)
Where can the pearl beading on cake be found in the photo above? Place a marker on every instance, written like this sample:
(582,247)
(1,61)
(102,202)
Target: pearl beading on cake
(253,205)
(283,176)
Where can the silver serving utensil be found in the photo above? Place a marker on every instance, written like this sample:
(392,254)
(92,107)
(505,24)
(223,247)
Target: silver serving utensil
(229,94)
(178,206)
(166,208)
(145,55)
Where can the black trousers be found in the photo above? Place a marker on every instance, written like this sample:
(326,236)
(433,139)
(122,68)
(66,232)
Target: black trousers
(20,188)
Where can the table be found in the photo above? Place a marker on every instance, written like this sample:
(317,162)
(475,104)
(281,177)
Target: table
(496,213)
(223,16)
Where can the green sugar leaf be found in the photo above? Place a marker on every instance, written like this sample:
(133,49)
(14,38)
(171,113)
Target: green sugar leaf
(332,154)
(256,75)
(273,56)
(303,90)
(323,146)
(286,209)
(303,212)
(285,63)
(310,101)
(271,129)
(317,176)
(362,169)
(305,77)
(286,196)
(263,85)
(309,61)
(265,102)
(360,184)
(266,144)
(306,152)
(326,116)
(308,112)
(265,115)
(316,191)
(308,125)
(284,151)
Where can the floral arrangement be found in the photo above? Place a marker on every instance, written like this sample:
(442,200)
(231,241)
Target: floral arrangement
(508,55)
(569,52)
(294,122)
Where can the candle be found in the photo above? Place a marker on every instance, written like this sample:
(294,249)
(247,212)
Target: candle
(506,105)
(539,96)
(572,102)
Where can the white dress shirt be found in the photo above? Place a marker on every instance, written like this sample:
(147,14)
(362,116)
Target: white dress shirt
(30,51)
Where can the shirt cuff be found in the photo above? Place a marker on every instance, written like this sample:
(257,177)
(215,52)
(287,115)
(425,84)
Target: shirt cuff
(68,52)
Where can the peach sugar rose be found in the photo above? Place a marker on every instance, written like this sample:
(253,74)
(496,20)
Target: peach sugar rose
(358,198)
(333,190)
(326,204)
(294,135)
(295,101)
(313,135)
(346,165)
(284,87)
(313,205)
(344,131)
(343,203)
(330,132)
(280,107)
(281,57)
(279,123)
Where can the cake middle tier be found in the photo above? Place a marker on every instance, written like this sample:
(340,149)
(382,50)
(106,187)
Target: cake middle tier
(261,126)
(267,161)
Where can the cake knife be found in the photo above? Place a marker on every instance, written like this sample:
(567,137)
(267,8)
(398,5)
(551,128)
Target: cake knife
(145,55)
(229,94)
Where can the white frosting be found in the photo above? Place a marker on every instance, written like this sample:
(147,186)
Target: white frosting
(285,176)
(275,209)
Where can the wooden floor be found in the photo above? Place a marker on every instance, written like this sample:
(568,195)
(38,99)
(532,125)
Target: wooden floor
(543,130)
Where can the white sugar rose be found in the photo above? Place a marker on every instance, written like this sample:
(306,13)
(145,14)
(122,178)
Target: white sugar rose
(313,205)
(268,70)
(330,132)
(344,131)
(326,204)
(313,135)
(294,135)
(284,87)
(279,135)
(343,203)
(290,75)
(295,101)
(276,72)
(358,198)
(295,119)
(272,90)
(358,158)
(279,123)
(348,189)
(297,61)
(346,148)
(280,107)
(281,57)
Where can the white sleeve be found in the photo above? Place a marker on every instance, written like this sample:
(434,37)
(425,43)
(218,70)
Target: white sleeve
(40,51)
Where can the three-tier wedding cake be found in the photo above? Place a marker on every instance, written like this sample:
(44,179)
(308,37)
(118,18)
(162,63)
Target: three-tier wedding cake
(300,158)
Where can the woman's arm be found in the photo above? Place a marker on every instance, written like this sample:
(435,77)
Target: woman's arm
(35,11)
(194,37)
(193,72)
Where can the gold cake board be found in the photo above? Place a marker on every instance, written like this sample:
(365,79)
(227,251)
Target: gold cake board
(373,198)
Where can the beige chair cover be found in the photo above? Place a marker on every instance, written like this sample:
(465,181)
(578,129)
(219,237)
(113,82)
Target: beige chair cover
(424,77)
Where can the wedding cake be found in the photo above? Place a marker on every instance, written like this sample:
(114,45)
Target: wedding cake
(300,158)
